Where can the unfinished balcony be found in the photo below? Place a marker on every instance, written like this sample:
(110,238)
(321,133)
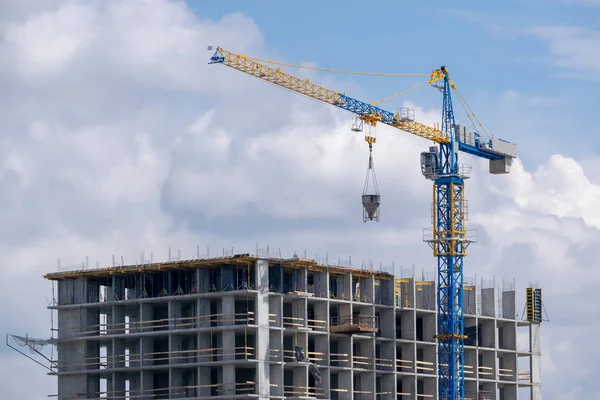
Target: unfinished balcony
(354,324)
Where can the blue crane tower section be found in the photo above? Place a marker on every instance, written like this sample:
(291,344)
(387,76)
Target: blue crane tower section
(448,235)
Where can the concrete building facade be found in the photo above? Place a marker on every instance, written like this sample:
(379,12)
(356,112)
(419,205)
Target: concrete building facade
(271,328)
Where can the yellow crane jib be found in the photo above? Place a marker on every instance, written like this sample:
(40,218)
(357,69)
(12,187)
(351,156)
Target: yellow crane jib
(403,119)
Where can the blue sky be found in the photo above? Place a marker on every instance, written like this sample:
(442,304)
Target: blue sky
(119,139)
(486,46)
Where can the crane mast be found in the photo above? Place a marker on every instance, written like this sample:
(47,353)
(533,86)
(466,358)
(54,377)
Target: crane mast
(449,243)
(448,235)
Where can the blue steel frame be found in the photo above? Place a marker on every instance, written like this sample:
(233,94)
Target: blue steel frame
(449,246)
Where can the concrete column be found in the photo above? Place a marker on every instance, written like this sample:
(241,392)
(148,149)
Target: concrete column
(487,367)
(470,300)
(507,367)
(204,381)
(93,291)
(488,302)
(509,304)
(118,385)
(426,296)
(470,363)
(71,355)
(228,345)
(364,357)
(321,314)
(509,392)
(74,384)
(263,335)
(175,314)
(228,311)
(134,351)
(119,353)
(300,375)
(344,347)
(228,380)
(197,281)
(118,289)
(536,361)
(73,291)
(429,327)
(275,308)
(490,387)
(203,280)
(147,383)
(70,323)
(408,325)
(276,378)
(387,322)
(388,387)
(174,343)
(345,286)
(488,332)
(345,383)
(411,287)
(409,386)
(134,385)
(365,388)
(321,284)
(301,280)
(470,386)
(430,386)
(299,317)
(92,355)
(132,321)
(507,335)
(204,347)
(147,347)
(202,313)
(175,382)
(383,291)
(118,321)
(109,387)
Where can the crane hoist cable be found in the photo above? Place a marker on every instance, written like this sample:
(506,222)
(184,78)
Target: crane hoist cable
(351,72)
(339,71)
(467,108)
(399,94)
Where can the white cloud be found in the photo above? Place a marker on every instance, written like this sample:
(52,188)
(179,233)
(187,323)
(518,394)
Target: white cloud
(552,210)
(572,47)
(121,139)
(559,187)
(49,42)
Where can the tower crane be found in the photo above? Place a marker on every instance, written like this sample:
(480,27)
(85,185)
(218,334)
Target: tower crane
(448,236)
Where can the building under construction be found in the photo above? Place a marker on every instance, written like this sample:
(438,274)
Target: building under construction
(248,326)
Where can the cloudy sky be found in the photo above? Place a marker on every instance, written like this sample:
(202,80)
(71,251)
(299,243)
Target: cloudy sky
(118,138)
